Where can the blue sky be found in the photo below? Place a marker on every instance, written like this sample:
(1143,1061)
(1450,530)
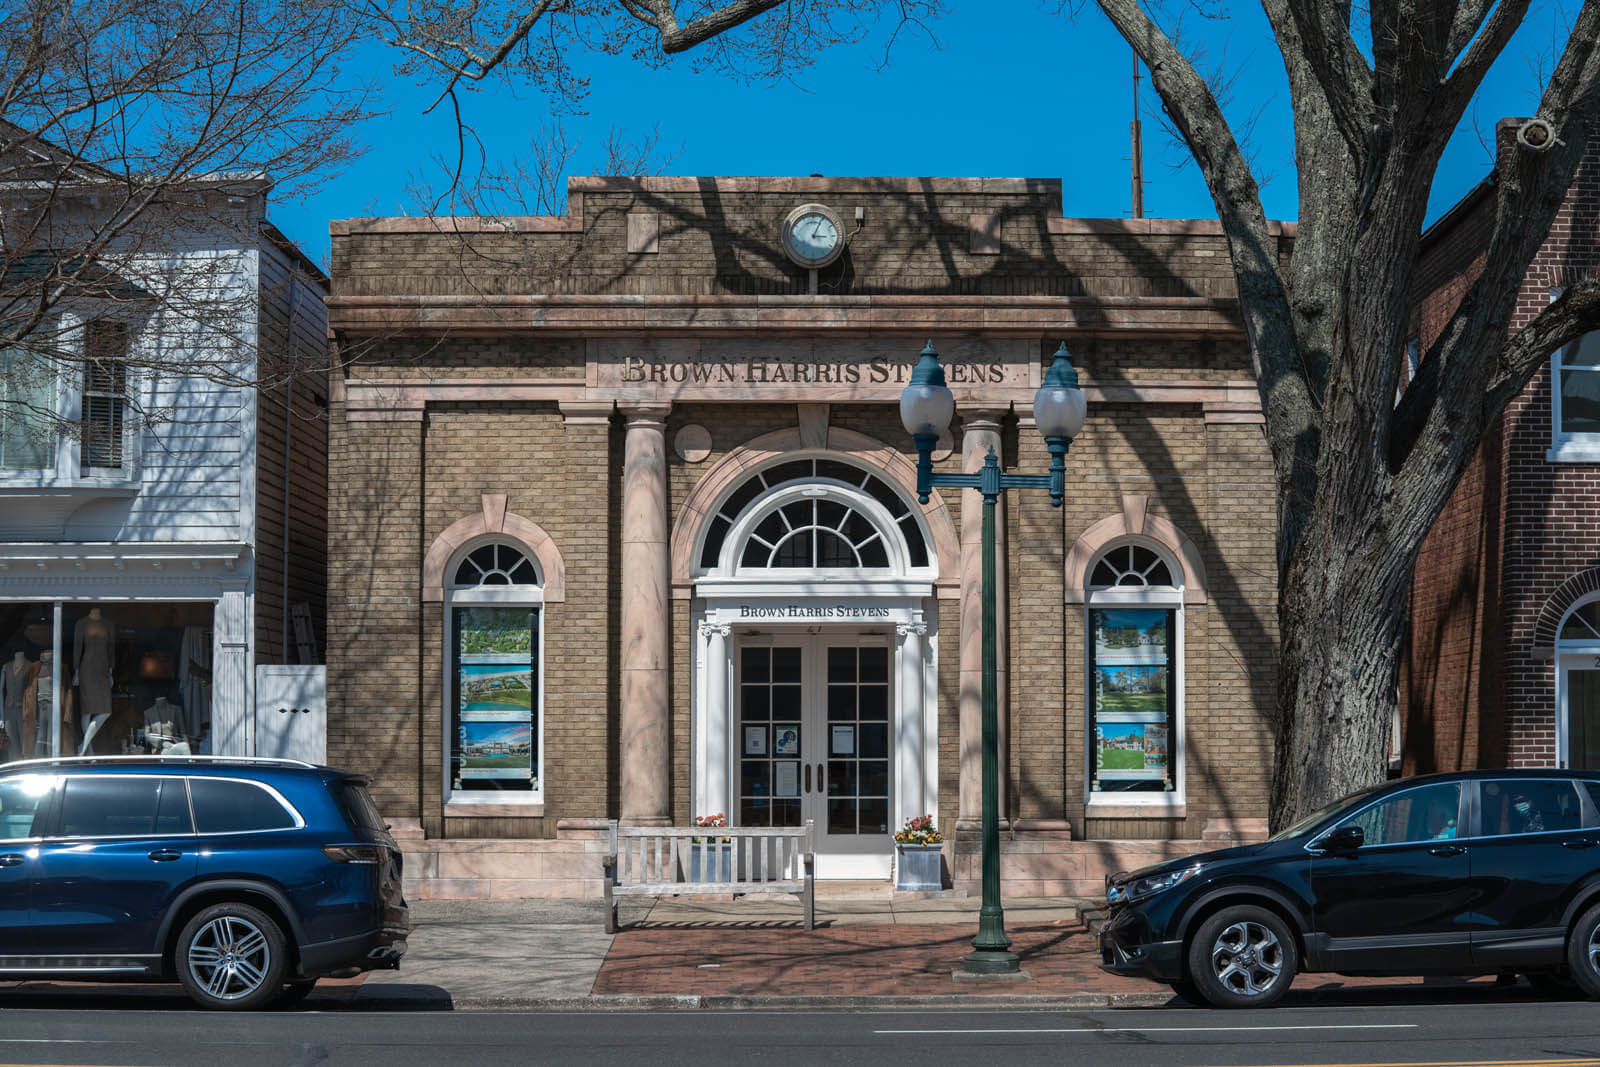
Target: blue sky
(1009,89)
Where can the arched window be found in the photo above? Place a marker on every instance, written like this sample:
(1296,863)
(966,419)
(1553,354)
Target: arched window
(496,692)
(814,514)
(1134,688)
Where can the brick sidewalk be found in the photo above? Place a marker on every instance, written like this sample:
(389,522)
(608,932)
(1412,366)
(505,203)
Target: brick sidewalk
(873,960)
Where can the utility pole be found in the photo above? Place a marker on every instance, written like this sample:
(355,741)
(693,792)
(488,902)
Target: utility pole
(1138,148)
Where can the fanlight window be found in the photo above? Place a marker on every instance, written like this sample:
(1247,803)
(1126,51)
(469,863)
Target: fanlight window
(1130,565)
(814,532)
(496,565)
(1583,624)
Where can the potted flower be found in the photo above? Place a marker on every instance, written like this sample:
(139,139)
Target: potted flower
(916,855)
(711,856)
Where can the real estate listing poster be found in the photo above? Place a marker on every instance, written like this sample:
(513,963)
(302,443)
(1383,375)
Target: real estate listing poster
(1132,699)
(497,692)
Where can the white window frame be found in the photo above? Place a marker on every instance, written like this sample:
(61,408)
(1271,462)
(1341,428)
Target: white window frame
(819,489)
(531,596)
(1568,447)
(1152,805)
(66,470)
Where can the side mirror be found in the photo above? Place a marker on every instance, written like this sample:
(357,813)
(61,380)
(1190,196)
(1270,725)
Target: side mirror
(1344,839)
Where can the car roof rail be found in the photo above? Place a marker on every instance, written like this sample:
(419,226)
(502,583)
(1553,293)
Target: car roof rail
(199,761)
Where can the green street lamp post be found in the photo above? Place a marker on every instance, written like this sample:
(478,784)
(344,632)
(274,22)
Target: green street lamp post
(926,407)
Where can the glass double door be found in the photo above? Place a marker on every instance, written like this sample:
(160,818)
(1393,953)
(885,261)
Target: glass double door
(812,741)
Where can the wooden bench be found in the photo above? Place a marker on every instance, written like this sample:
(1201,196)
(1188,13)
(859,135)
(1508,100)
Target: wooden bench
(655,861)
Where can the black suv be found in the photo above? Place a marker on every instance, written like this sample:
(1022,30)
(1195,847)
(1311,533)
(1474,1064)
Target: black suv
(244,879)
(1479,872)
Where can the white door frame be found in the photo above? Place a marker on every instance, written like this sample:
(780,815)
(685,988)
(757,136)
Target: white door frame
(1569,658)
(720,623)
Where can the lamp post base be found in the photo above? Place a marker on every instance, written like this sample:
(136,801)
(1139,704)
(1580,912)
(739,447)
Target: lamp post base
(991,961)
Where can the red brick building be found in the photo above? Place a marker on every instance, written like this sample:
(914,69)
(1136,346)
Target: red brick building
(1505,611)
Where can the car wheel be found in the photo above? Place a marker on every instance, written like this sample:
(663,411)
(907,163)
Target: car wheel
(294,993)
(231,956)
(1242,957)
(1188,991)
(1554,985)
(1583,952)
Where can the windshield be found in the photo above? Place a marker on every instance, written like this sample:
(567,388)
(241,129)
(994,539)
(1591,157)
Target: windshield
(1321,813)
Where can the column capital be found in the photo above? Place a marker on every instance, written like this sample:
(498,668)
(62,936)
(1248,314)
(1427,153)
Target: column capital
(644,414)
(906,629)
(715,629)
(981,419)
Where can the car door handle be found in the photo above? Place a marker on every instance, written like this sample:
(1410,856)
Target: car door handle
(164,855)
(1446,850)
(13,859)
(1578,842)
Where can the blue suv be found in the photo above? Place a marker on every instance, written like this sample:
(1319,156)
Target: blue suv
(244,879)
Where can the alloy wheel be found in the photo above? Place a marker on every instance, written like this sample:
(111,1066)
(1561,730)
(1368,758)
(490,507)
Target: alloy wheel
(1247,958)
(230,957)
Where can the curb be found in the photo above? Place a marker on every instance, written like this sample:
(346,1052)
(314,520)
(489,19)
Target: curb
(601,1003)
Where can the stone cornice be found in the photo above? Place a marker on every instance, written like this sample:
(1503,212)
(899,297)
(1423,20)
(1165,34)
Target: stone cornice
(1178,317)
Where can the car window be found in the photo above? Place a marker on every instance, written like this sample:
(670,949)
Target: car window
(230,807)
(107,806)
(21,803)
(172,809)
(1530,806)
(359,810)
(1427,813)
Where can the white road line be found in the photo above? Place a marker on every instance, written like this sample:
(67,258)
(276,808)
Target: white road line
(1170,1029)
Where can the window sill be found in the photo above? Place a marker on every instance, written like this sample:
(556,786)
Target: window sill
(1161,808)
(1574,452)
(463,809)
(81,488)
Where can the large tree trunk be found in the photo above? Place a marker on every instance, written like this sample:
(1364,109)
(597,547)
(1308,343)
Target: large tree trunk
(1342,616)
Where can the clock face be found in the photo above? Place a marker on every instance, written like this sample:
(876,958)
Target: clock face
(811,235)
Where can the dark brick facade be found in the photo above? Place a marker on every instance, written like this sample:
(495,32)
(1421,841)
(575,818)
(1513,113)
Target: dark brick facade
(1519,534)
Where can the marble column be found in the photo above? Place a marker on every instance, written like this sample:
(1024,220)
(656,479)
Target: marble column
(646,621)
(913,718)
(715,722)
(980,431)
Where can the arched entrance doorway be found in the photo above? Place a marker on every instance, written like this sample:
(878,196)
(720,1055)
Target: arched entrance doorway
(1578,685)
(815,664)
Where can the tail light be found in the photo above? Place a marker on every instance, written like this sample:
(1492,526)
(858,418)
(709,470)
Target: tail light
(353,853)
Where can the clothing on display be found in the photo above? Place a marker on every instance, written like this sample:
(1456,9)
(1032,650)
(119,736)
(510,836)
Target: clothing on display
(194,680)
(15,677)
(93,657)
(162,721)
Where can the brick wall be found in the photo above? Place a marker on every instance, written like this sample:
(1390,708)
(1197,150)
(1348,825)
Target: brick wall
(1477,691)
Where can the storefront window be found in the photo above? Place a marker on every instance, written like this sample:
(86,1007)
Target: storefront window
(114,678)
(1135,672)
(496,693)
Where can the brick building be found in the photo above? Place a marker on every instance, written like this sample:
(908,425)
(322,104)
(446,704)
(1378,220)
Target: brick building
(623,524)
(1505,610)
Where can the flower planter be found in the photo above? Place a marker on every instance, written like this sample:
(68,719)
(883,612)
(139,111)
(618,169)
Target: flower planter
(711,861)
(917,867)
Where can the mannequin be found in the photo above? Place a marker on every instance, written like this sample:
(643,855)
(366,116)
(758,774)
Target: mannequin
(93,655)
(161,722)
(14,679)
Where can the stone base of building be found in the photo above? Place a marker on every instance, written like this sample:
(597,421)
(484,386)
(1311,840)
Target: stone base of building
(1035,861)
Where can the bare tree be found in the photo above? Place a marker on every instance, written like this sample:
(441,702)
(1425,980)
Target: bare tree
(1376,94)
(137,143)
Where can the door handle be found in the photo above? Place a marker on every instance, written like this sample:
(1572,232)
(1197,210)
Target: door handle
(821,787)
(13,859)
(163,855)
(1578,842)
(808,778)
(1446,850)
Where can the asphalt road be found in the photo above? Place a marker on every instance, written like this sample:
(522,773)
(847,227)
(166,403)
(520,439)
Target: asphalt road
(1502,1033)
